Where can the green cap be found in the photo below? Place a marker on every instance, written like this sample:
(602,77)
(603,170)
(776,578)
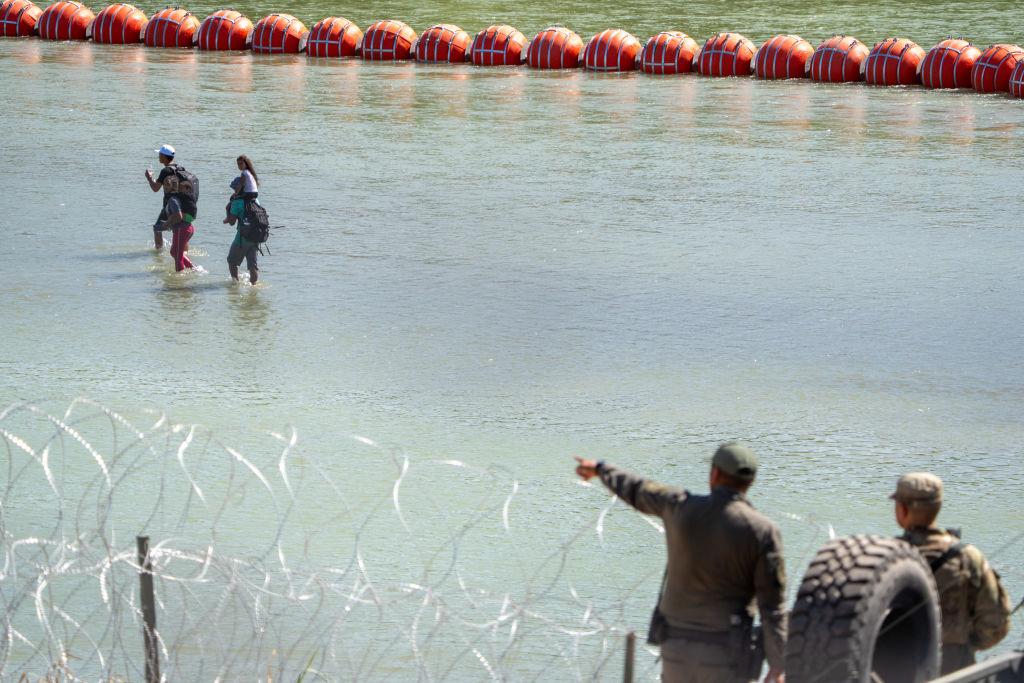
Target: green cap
(918,488)
(736,460)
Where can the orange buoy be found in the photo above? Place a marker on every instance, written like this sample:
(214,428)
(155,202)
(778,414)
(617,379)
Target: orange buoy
(387,41)
(171,27)
(65,20)
(225,29)
(783,56)
(498,45)
(991,73)
(555,48)
(838,60)
(279,34)
(18,18)
(611,50)
(669,52)
(893,61)
(1017,80)
(949,64)
(442,43)
(119,24)
(725,54)
(334,37)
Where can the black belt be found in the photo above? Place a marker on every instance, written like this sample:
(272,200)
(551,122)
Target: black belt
(695,636)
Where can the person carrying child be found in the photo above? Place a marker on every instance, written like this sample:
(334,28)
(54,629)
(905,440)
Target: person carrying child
(246,190)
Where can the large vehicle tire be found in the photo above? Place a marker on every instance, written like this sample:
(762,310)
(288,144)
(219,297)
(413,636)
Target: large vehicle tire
(867,611)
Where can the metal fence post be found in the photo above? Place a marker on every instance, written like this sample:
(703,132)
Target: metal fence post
(148,602)
(627,672)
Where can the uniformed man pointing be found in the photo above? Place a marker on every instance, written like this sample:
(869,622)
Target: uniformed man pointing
(722,555)
(975,606)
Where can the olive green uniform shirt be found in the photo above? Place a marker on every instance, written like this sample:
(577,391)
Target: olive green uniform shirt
(975,606)
(722,554)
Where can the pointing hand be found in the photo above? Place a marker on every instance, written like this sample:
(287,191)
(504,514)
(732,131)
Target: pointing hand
(586,469)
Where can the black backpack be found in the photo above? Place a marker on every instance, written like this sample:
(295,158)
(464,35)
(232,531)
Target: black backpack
(185,185)
(255,224)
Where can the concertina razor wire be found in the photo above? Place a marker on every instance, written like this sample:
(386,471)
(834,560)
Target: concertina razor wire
(287,566)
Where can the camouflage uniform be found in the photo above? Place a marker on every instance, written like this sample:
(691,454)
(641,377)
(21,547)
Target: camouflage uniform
(975,606)
(722,553)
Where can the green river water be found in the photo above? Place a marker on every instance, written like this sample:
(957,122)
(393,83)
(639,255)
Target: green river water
(501,268)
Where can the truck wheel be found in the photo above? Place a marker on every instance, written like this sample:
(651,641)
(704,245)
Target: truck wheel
(867,610)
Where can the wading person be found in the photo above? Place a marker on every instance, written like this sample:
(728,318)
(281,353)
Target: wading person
(246,191)
(723,556)
(166,157)
(975,606)
(180,224)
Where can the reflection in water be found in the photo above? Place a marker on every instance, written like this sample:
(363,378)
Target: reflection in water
(177,296)
(70,53)
(250,307)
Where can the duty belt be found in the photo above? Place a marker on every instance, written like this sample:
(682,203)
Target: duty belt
(695,636)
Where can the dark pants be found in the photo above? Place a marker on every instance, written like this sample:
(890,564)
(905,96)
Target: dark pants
(243,249)
(684,661)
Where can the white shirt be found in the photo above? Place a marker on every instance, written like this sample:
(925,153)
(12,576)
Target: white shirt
(248,182)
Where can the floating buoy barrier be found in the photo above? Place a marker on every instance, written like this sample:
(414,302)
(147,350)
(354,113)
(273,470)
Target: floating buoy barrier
(611,50)
(65,20)
(894,61)
(498,45)
(952,63)
(387,41)
(669,52)
(783,56)
(555,47)
(18,18)
(838,60)
(172,27)
(949,64)
(1017,80)
(725,54)
(225,29)
(991,72)
(119,24)
(334,37)
(279,34)
(442,43)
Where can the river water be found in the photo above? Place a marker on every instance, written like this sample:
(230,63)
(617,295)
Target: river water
(506,267)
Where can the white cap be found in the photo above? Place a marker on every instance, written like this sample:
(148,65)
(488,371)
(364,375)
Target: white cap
(165,150)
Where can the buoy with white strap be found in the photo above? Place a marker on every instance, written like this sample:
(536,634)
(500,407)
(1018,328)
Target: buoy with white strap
(669,52)
(173,27)
(894,61)
(993,68)
(225,29)
(442,43)
(334,37)
(781,57)
(498,45)
(65,20)
(387,41)
(119,24)
(838,60)
(19,18)
(725,54)
(611,50)
(949,64)
(556,47)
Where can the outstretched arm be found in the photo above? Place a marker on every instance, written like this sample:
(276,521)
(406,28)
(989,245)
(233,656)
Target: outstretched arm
(647,496)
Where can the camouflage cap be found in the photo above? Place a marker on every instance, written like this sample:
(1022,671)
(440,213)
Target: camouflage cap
(736,460)
(918,487)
